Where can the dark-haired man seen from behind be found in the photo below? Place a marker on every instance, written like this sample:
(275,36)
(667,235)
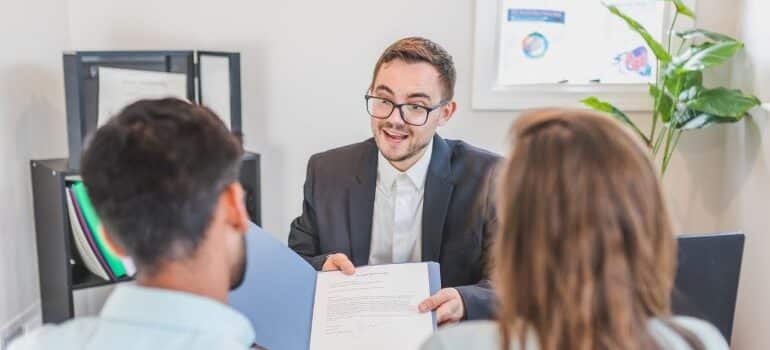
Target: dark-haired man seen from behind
(405,195)
(163,177)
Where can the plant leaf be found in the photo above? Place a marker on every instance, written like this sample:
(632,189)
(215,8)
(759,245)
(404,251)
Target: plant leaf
(665,103)
(693,34)
(676,82)
(691,79)
(723,102)
(656,47)
(601,106)
(711,56)
(702,120)
(682,9)
(681,117)
(678,61)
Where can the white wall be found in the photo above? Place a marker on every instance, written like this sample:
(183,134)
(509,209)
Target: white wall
(33,34)
(748,183)
(306,65)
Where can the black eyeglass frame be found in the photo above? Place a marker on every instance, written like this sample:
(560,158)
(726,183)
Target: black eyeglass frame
(428,110)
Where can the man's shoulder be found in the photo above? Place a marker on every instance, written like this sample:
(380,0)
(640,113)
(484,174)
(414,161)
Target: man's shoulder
(344,152)
(98,333)
(342,157)
(467,158)
(462,149)
(69,335)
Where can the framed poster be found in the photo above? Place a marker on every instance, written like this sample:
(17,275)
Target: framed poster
(540,53)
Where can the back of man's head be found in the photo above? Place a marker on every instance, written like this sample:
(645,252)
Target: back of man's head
(155,173)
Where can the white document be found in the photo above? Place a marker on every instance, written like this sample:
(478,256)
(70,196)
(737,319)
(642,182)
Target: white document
(215,85)
(373,309)
(120,87)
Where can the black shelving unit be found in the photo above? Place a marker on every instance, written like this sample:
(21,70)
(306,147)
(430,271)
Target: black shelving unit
(61,269)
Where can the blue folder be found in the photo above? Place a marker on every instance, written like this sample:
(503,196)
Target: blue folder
(278,292)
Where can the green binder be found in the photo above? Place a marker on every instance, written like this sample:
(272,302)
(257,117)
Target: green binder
(94,224)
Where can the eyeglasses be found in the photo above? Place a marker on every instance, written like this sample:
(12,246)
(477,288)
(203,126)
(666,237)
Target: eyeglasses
(412,114)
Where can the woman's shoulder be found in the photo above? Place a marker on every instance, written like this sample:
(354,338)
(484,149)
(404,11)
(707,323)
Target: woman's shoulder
(486,335)
(480,335)
(465,335)
(708,335)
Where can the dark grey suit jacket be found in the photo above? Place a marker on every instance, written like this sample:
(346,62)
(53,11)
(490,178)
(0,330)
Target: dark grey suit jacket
(458,217)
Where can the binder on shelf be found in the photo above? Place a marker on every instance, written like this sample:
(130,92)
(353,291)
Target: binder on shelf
(94,226)
(84,243)
(89,235)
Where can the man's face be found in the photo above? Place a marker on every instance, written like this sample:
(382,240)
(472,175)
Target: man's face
(415,83)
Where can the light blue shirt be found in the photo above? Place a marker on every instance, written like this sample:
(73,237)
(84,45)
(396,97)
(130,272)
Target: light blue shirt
(136,317)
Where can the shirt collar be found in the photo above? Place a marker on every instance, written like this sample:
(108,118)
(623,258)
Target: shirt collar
(164,308)
(387,173)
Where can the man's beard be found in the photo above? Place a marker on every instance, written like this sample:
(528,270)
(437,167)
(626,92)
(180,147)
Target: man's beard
(239,271)
(411,152)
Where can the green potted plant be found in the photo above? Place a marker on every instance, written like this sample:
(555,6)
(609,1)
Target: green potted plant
(681,102)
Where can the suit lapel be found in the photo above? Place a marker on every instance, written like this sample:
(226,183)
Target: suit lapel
(361,206)
(438,193)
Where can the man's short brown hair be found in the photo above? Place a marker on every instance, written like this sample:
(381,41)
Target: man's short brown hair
(417,49)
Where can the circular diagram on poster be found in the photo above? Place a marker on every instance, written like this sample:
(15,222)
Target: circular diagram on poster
(534,45)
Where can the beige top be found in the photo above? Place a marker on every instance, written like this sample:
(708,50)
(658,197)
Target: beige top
(481,335)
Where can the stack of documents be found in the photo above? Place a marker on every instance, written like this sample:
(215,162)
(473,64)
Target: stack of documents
(89,238)
(292,306)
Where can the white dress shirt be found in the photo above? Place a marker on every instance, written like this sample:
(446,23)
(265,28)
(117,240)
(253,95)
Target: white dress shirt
(397,217)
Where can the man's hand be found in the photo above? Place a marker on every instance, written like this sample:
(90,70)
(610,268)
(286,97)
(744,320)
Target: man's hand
(340,262)
(448,305)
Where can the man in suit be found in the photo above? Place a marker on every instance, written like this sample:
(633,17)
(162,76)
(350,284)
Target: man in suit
(405,195)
